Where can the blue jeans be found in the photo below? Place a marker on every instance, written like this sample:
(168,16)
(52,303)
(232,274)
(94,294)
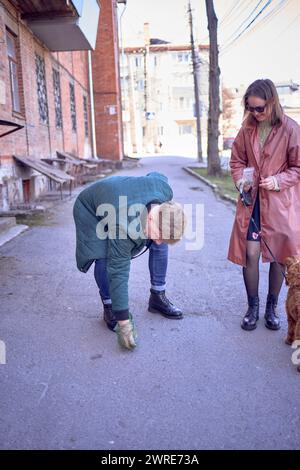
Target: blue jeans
(158,263)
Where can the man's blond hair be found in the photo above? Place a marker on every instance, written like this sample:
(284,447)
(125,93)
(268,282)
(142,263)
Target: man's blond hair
(172,222)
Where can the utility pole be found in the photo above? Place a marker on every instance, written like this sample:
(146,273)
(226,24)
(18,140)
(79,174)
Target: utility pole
(147,136)
(149,133)
(146,104)
(136,148)
(196,67)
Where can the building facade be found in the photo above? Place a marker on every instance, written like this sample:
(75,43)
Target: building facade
(289,97)
(46,77)
(158,97)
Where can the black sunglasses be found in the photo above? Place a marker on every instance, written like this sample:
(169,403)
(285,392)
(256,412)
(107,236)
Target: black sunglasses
(258,109)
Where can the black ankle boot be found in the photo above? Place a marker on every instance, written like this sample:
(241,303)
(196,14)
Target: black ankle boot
(159,303)
(250,319)
(271,316)
(109,317)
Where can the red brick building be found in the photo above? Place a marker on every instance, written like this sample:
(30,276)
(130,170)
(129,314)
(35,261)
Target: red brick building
(45,84)
(107,91)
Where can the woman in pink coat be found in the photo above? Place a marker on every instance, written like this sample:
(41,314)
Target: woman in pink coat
(268,141)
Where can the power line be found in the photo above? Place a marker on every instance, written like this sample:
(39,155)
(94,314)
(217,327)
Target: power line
(237,14)
(288,26)
(248,26)
(229,19)
(266,19)
(228,12)
(270,15)
(245,20)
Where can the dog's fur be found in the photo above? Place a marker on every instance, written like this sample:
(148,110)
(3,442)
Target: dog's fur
(293,300)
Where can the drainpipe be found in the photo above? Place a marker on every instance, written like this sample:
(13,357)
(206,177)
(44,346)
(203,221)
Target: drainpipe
(122,99)
(91,85)
(121,33)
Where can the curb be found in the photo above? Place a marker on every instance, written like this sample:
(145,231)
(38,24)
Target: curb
(213,186)
(12,233)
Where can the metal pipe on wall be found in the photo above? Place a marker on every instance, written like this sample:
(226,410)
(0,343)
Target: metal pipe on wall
(93,124)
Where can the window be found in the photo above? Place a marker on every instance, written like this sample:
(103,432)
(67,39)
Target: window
(160,130)
(182,57)
(85,116)
(57,98)
(73,107)
(138,61)
(140,85)
(184,103)
(185,129)
(13,71)
(41,88)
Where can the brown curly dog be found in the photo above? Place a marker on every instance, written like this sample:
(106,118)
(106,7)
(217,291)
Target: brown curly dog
(292,303)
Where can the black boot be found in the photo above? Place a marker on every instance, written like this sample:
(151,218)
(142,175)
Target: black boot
(109,317)
(159,303)
(250,319)
(271,316)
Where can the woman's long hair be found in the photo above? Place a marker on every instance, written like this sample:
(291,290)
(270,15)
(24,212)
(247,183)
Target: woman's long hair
(266,90)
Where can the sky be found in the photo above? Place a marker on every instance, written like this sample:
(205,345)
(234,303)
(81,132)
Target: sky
(268,48)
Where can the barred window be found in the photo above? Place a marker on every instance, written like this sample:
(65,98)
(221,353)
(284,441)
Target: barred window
(73,107)
(57,98)
(13,71)
(41,88)
(85,116)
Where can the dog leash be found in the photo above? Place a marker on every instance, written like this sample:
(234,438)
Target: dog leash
(262,238)
(149,243)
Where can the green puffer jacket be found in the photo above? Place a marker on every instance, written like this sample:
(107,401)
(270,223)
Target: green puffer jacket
(119,250)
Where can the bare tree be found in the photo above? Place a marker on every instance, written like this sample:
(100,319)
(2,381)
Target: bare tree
(213,160)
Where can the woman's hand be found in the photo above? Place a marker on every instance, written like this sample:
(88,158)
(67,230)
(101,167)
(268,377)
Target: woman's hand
(267,183)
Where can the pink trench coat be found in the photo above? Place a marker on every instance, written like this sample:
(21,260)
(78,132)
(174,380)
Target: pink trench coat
(279,211)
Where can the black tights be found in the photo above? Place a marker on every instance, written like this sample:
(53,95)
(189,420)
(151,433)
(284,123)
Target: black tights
(251,272)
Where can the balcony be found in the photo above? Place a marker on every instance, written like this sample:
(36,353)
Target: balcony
(183,114)
(64,25)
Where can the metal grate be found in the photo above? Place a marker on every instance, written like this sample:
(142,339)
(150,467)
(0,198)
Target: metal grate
(73,107)
(85,116)
(41,88)
(57,98)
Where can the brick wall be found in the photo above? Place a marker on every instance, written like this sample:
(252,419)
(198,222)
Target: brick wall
(37,139)
(107,94)
(41,140)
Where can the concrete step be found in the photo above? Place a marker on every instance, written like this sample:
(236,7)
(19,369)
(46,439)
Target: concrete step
(11,233)
(6,223)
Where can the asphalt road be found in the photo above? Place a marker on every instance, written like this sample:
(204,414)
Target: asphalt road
(197,383)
